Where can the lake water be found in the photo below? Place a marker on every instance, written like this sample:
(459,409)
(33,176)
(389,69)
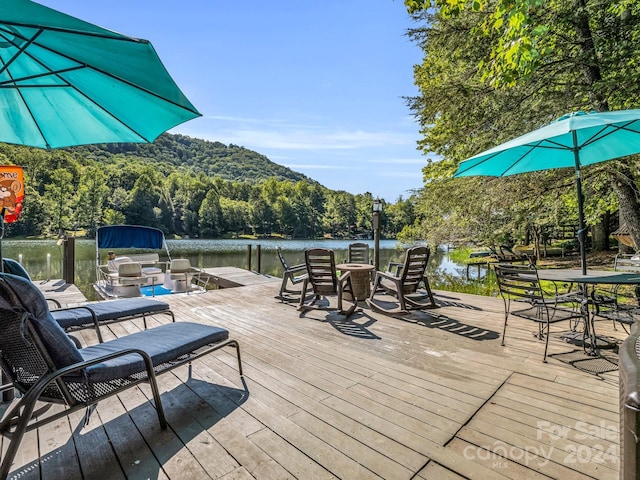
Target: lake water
(43,258)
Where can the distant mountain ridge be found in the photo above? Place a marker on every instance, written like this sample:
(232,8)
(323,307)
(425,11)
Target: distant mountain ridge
(231,162)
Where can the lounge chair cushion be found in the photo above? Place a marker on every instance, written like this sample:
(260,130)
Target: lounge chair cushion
(11,266)
(112,310)
(164,343)
(108,311)
(61,349)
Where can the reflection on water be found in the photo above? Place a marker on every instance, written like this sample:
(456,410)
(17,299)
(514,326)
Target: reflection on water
(208,253)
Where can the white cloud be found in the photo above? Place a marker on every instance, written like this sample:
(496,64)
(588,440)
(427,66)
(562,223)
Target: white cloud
(316,167)
(273,134)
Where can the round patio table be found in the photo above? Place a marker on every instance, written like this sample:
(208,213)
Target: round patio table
(360,278)
(592,278)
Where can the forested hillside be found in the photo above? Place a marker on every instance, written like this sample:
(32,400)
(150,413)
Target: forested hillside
(186,187)
(215,159)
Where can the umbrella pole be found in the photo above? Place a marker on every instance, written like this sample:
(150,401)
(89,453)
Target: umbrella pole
(581,226)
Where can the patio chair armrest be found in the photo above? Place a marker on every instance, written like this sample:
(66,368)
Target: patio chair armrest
(394,268)
(386,275)
(344,277)
(94,317)
(297,268)
(41,385)
(55,302)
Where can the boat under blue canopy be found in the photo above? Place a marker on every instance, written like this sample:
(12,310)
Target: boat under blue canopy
(129,236)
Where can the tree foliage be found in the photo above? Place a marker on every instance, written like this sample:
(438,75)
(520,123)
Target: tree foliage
(186,187)
(495,69)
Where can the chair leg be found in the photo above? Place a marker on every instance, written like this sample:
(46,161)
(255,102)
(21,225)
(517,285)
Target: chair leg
(506,317)
(427,287)
(153,383)
(303,295)
(546,345)
(16,437)
(403,304)
(236,345)
(283,286)
(504,329)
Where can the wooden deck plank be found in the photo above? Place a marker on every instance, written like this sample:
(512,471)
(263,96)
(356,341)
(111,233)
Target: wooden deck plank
(435,471)
(56,447)
(93,438)
(426,396)
(491,459)
(134,455)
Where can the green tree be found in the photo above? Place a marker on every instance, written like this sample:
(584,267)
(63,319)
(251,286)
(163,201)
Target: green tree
(58,195)
(210,215)
(235,214)
(35,215)
(143,200)
(493,70)
(339,214)
(263,217)
(90,200)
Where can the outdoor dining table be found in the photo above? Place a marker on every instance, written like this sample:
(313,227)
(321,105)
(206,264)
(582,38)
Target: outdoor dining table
(590,280)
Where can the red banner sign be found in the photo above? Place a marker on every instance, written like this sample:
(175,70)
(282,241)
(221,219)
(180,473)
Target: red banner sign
(11,192)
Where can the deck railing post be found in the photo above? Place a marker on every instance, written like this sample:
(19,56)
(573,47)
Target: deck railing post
(259,257)
(249,257)
(69,260)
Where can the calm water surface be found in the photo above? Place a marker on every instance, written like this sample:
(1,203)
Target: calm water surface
(43,258)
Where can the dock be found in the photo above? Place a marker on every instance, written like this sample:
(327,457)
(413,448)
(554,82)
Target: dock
(432,395)
(231,277)
(65,293)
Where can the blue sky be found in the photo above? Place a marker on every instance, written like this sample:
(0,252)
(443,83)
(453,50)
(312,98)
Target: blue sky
(315,86)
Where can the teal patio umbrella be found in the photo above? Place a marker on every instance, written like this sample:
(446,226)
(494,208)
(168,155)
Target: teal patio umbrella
(573,141)
(66,82)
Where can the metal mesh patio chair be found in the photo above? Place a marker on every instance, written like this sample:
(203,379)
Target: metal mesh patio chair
(524,297)
(621,304)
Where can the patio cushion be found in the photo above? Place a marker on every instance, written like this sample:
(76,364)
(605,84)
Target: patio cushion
(108,310)
(58,345)
(72,317)
(164,343)
(114,309)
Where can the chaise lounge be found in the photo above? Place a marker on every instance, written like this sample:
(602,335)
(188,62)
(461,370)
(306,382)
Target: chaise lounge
(44,365)
(95,314)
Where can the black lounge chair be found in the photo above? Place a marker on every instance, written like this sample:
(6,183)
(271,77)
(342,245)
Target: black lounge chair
(94,314)
(506,254)
(43,364)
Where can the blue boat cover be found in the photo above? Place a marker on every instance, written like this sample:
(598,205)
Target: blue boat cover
(130,236)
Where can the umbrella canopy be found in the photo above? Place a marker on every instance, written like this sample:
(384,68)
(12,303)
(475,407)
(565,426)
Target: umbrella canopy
(574,140)
(66,82)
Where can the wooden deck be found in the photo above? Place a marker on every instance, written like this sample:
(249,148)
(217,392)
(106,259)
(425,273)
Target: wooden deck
(230,277)
(430,396)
